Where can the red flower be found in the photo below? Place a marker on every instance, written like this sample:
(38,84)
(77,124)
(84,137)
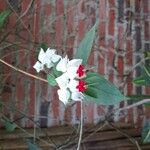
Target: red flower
(81,71)
(81,86)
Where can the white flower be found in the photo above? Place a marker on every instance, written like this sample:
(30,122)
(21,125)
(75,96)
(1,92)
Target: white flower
(47,58)
(62,81)
(64,95)
(38,66)
(68,89)
(62,65)
(72,85)
(69,67)
(75,95)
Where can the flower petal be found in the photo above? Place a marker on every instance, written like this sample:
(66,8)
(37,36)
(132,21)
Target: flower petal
(75,63)
(42,56)
(62,81)
(55,58)
(72,72)
(49,64)
(64,95)
(72,85)
(38,66)
(50,52)
(77,96)
(62,65)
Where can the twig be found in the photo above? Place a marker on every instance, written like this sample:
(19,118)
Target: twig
(34,122)
(43,141)
(31,135)
(35,118)
(62,15)
(81,126)
(25,12)
(126,135)
(21,71)
(95,131)
(69,141)
(133,105)
(146,71)
(19,18)
(10,53)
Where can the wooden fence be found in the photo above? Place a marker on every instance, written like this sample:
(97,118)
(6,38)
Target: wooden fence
(106,138)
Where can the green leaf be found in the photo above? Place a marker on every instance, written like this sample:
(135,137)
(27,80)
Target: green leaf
(146,133)
(105,93)
(148,54)
(9,126)
(147,71)
(51,80)
(91,91)
(44,46)
(3,17)
(142,80)
(84,49)
(32,146)
(55,72)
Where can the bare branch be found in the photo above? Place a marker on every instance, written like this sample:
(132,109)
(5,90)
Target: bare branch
(81,126)
(133,105)
(23,72)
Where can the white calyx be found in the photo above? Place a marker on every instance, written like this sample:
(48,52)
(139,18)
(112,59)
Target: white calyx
(69,67)
(68,89)
(47,58)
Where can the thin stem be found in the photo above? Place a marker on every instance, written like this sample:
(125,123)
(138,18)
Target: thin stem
(95,131)
(34,138)
(43,141)
(133,105)
(81,126)
(36,123)
(20,17)
(146,71)
(31,135)
(21,71)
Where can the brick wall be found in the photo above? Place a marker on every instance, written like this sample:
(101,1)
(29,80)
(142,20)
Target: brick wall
(122,38)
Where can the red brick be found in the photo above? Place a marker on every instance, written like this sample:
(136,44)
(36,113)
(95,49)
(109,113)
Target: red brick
(102,32)
(101,66)
(145,4)
(2,5)
(81,29)
(111,3)
(102,9)
(120,36)
(68,115)
(110,58)
(120,68)
(70,29)
(111,25)
(147,30)
(89,113)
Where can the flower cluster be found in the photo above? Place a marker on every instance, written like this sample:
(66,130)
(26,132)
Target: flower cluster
(47,59)
(70,82)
